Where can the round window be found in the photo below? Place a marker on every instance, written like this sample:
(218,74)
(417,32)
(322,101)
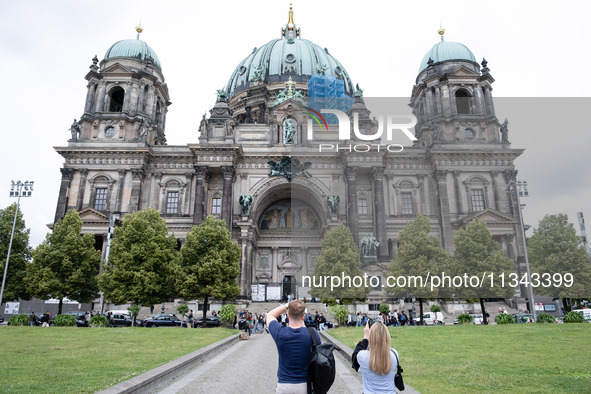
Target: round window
(469,133)
(109,131)
(338,70)
(242,70)
(290,58)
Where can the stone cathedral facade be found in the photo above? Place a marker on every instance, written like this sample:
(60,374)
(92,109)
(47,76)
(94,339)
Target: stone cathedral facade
(255,166)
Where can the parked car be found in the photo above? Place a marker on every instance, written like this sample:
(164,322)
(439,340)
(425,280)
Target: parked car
(162,320)
(80,318)
(119,318)
(586,314)
(476,318)
(431,319)
(1,319)
(523,318)
(210,321)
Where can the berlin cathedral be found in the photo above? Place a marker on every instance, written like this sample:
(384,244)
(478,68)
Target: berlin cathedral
(259,162)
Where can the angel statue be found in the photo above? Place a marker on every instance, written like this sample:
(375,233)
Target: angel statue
(245,201)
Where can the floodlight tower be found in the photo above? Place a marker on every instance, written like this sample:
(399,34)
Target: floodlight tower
(18,189)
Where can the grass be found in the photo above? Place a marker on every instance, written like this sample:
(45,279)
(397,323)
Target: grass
(468,358)
(85,360)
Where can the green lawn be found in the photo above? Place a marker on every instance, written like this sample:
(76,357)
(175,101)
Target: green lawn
(84,360)
(512,358)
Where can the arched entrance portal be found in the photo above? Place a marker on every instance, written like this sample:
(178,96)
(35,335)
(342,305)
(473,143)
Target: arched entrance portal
(289,287)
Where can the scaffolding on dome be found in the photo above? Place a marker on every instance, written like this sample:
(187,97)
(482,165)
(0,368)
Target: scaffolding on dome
(328,92)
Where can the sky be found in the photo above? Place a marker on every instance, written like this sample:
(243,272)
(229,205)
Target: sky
(537,51)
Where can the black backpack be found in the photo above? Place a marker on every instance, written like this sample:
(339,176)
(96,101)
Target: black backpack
(321,370)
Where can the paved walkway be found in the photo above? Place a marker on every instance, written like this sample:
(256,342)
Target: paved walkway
(242,369)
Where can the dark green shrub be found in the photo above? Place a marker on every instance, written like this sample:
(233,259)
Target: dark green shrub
(384,309)
(545,318)
(19,320)
(465,318)
(340,312)
(573,317)
(435,308)
(504,318)
(228,313)
(64,321)
(98,321)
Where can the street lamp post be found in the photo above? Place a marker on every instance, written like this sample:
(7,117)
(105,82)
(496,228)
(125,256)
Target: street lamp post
(519,189)
(16,190)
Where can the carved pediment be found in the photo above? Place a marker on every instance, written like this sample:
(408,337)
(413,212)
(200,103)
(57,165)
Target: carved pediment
(91,215)
(463,71)
(264,276)
(491,217)
(117,68)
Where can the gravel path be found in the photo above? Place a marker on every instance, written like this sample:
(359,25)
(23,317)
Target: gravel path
(240,369)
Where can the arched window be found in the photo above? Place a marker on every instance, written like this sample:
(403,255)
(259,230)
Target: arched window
(463,101)
(100,192)
(477,193)
(116,99)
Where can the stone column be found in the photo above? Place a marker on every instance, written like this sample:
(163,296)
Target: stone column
(133,99)
(439,104)
(444,219)
(100,100)
(380,212)
(242,276)
(137,175)
(140,100)
(250,279)
(477,99)
(490,109)
(429,102)
(422,197)
(304,254)
(445,103)
(187,206)
(498,191)
(62,200)
(227,201)
(127,97)
(121,187)
(89,98)
(452,100)
(275,264)
(458,192)
(352,213)
(81,187)
(202,172)
(150,103)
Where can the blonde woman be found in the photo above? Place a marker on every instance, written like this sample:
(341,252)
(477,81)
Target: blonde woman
(376,359)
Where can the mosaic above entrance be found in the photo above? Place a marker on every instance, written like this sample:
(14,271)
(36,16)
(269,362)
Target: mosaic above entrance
(288,214)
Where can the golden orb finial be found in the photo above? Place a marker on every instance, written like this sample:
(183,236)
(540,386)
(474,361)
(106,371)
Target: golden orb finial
(441,32)
(139,29)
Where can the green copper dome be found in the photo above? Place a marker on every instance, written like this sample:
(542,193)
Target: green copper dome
(285,57)
(446,50)
(136,49)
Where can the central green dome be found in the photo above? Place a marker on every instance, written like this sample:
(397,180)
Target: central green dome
(282,58)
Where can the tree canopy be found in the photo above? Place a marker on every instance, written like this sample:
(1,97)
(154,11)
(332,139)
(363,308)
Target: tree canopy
(142,262)
(209,263)
(338,258)
(477,254)
(20,254)
(65,264)
(418,254)
(555,250)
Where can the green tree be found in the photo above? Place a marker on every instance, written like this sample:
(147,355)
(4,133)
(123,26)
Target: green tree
(65,264)
(554,251)
(20,254)
(209,264)
(419,254)
(477,254)
(338,259)
(228,314)
(142,262)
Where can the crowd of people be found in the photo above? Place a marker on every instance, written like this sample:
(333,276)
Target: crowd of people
(395,318)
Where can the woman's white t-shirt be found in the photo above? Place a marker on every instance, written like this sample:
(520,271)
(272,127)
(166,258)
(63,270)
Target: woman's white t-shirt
(372,382)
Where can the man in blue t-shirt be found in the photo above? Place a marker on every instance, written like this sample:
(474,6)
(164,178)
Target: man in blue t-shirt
(294,345)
